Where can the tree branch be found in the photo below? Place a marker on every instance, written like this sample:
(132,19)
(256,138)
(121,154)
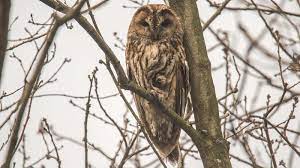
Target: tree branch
(21,106)
(4,20)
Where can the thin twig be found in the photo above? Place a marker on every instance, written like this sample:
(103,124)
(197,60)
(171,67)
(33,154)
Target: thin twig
(47,129)
(215,15)
(87,111)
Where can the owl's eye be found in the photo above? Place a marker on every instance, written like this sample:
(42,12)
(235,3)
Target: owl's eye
(166,23)
(144,23)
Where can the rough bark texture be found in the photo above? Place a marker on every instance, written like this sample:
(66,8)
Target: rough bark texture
(4,18)
(212,147)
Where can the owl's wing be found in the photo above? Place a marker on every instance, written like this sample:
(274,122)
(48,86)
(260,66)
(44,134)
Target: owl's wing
(182,83)
(127,53)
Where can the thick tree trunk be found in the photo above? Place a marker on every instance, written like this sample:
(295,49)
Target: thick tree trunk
(213,148)
(4,18)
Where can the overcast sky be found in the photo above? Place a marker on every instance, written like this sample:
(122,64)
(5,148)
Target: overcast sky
(77,45)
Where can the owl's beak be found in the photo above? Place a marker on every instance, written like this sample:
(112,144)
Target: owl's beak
(154,34)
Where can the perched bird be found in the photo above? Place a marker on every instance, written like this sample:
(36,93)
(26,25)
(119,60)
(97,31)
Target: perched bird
(156,61)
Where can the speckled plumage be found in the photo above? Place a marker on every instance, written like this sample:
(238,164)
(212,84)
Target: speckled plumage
(156,61)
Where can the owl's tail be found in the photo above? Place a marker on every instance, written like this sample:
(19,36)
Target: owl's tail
(175,156)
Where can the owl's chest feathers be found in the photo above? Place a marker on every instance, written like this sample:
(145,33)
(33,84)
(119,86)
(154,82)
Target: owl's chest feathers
(154,55)
(155,63)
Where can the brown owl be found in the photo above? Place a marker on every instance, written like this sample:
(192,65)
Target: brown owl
(156,61)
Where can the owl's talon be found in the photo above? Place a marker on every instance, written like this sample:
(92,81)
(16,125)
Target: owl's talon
(157,95)
(153,93)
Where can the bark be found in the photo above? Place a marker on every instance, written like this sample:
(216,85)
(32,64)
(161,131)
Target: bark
(4,18)
(213,148)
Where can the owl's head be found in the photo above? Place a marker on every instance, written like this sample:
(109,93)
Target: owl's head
(155,22)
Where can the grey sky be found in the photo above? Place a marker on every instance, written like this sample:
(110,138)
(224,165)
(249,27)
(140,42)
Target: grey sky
(84,53)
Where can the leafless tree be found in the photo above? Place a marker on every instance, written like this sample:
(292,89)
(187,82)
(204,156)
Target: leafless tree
(253,123)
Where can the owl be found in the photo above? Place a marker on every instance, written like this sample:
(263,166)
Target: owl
(156,61)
